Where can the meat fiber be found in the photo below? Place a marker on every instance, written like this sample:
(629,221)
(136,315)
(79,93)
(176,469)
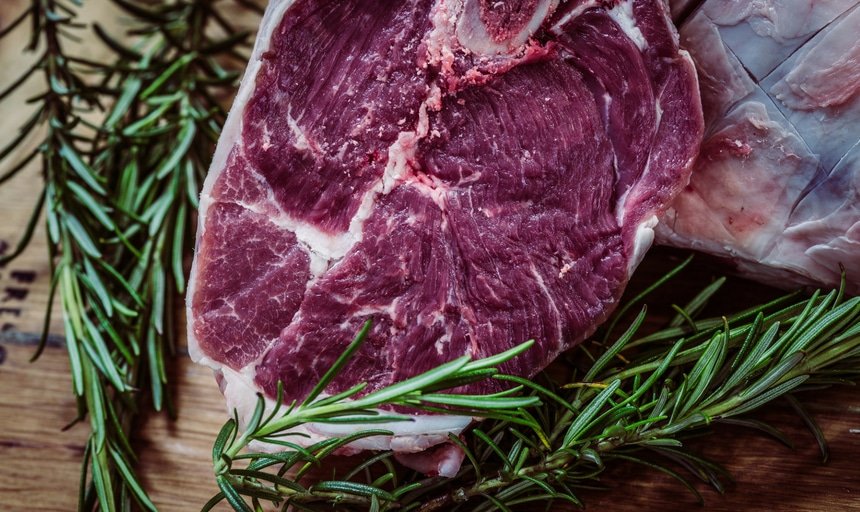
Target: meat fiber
(775,188)
(466,174)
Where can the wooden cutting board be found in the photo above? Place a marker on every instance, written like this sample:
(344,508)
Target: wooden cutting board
(40,465)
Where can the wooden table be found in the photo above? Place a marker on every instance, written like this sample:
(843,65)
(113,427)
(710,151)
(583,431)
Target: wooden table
(39,464)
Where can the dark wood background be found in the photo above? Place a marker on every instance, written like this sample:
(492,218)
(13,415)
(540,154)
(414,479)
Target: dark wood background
(40,465)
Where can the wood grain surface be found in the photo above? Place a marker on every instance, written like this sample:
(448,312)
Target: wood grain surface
(40,464)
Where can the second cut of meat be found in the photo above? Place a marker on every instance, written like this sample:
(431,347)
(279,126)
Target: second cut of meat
(776,189)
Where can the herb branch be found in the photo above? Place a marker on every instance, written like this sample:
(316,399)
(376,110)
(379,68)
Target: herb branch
(635,403)
(123,144)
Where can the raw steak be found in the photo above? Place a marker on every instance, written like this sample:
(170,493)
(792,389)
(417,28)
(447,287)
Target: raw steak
(775,188)
(468,175)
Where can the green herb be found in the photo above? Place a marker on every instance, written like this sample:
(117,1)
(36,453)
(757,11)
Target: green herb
(124,145)
(636,403)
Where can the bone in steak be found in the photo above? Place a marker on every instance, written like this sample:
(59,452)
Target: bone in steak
(468,175)
(777,184)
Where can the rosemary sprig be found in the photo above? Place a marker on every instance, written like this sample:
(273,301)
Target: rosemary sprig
(125,143)
(636,403)
(419,392)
